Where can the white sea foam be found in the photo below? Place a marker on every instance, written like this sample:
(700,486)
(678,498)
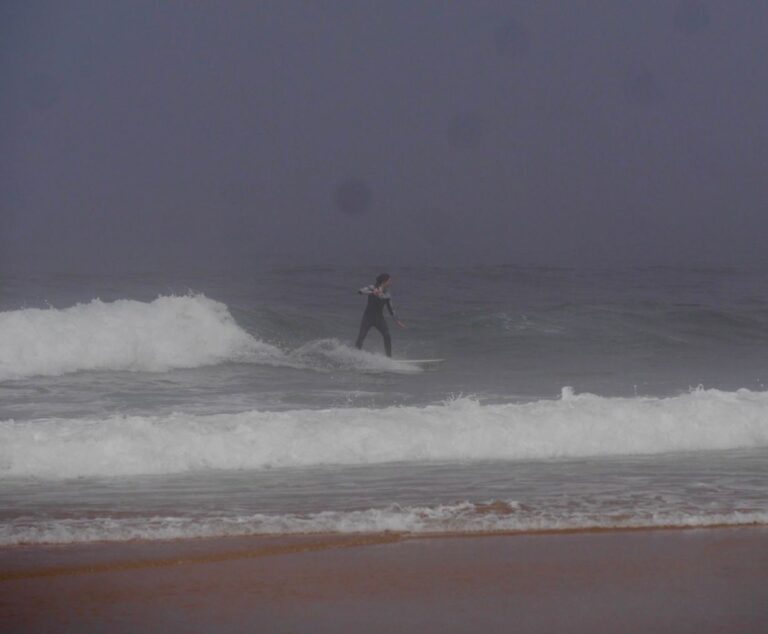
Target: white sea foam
(170,332)
(463,429)
(461,517)
(331,353)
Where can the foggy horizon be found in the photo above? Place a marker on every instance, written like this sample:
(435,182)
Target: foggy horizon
(146,136)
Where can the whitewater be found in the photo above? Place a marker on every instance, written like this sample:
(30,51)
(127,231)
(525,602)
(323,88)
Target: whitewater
(130,410)
(463,430)
(167,333)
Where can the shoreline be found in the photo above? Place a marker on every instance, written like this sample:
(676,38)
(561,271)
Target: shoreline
(203,550)
(633,579)
(195,550)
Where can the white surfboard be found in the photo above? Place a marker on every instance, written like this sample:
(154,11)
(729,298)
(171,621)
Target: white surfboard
(422,362)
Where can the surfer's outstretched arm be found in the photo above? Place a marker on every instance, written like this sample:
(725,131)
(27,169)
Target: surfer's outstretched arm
(392,313)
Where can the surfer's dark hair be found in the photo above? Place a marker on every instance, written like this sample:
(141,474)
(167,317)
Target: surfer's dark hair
(380,279)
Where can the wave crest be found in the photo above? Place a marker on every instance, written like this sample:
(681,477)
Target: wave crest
(169,332)
(577,425)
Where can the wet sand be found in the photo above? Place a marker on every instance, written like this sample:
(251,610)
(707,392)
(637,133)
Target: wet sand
(708,580)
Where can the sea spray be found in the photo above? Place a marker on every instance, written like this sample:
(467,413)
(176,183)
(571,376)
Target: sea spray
(169,332)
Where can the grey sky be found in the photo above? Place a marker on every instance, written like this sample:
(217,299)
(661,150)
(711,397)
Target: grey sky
(145,135)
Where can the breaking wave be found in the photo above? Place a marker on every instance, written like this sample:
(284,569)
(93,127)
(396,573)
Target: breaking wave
(459,430)
(460,517)
(333,354)
(169,332)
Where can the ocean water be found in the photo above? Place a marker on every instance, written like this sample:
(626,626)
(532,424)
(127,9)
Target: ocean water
(155,407)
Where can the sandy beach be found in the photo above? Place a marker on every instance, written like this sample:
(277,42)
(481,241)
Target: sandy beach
(708,580)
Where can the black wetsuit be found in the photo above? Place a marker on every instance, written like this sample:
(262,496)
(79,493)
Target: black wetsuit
(373,317)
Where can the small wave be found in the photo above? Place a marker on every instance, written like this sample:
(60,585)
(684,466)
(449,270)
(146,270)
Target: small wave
(169,332)
(333,354)
(463,429)
(462,517)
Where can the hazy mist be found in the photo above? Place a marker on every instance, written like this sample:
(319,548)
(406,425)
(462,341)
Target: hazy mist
(165,135)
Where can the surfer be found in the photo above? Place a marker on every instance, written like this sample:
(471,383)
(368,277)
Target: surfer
(373,317)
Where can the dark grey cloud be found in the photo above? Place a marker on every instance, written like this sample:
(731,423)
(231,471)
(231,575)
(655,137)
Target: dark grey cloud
(152,135)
